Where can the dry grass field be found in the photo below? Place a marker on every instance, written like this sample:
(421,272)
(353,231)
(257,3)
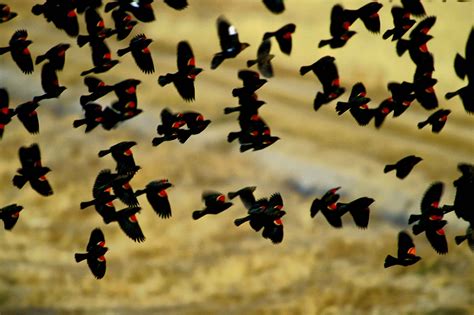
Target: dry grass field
(210,266)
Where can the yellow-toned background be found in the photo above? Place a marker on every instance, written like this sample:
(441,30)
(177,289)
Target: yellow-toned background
(210,266)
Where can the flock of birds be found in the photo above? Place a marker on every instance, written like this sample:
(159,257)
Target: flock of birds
(263,214)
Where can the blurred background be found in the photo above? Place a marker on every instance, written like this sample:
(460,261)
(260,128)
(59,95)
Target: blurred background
(210,266)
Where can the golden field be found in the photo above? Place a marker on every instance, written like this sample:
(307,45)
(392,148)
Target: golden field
(210,266)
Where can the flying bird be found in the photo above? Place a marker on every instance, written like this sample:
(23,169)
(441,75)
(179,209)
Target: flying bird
(18,48)
(55,55)
(229,42)
(328,207)
(214,202)
(283,36)
(140,53)
(437,120)
(6,14)
(406,252)
(275,6)
(123,156)
(6,113)
(404,166)
(158,197)
(94,255)
(9,215)
(264,59)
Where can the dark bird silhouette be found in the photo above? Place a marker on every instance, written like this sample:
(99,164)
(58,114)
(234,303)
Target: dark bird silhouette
(382,111)
(55,55)
(122,188)
(158,197)
(275,6)
(170,128)
(214,203)
(357,105)
(102,196)
(229,42)
(406,252)
(128,222)
(61,13)
(359,210)
(415,7)
(424,91)
(464,67)
(122,154)
(431,220)
(194,121)
(417,44)
(341,20)
(184,78)
(326,71)
(251,82)
(468,236)
(32,171)
(101,57)
(368,13)
(6,113)
(246,196)
(9,215)
(264,59)
(402,95)
(404,166)
(140,53)
(437,120)
(464,198)
(141,9)
(50,83)
(123,23)
(28,116)
(18,48)
(95,28)
(95,254)
(96,87)
(6,14)
(93,116)
(327,206)
(283,36)
(401,23)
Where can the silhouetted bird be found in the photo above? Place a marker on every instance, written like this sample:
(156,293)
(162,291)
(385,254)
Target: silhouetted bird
(401,23)
(96,87)
(402,95)
(122,154)
(6,113)
(157,197)
(424,91)
(141,9)
(229,42)
(184,78)
(49,83)
(246,196)
(431,220)
(464,198)
(368,13)
(406,252)
(18,48)
(283,35)
(359,210)
(55,55)
(357,105)
(9,215)
(140,53)
(275,6)
(28,116)
(6,14)
(101,57)
(123,23)
(341,20)
(177,4)
(123,190)
(61,13)
(264,59)
(464,67)
(214,203)
(326,71)
(32,171)
(93,116)
(327,206)
(404,166)
(102,195)
(251,83)
(437,120)
(382,111)
(95,253)
(195,121)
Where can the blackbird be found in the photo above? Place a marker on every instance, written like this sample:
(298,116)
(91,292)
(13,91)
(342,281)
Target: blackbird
(9,215)
(95,253)
(140,53)
(214,203)
(283,36)
(404,166)
(18,48)
(157,197)
(406,252)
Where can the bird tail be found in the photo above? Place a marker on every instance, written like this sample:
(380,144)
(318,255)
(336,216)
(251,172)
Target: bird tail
(459,239)
(139,192)
(450,95)
(157,141)
(229,110)
(389,167)
(4,50)
(251,62)
(198,214)
(387,34)
(241,221)
(304,70)
(82,40)
(232,136)
(19,181)
(103,153)
(422,124)
(86,204)
(390,261)
(123,51)
(80,257)
(78,122)
(40,59)
(164,79)
(414,218)
(216,60)
(342,107)
(402,46)
(83,73)
(324,42)
(232,194)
